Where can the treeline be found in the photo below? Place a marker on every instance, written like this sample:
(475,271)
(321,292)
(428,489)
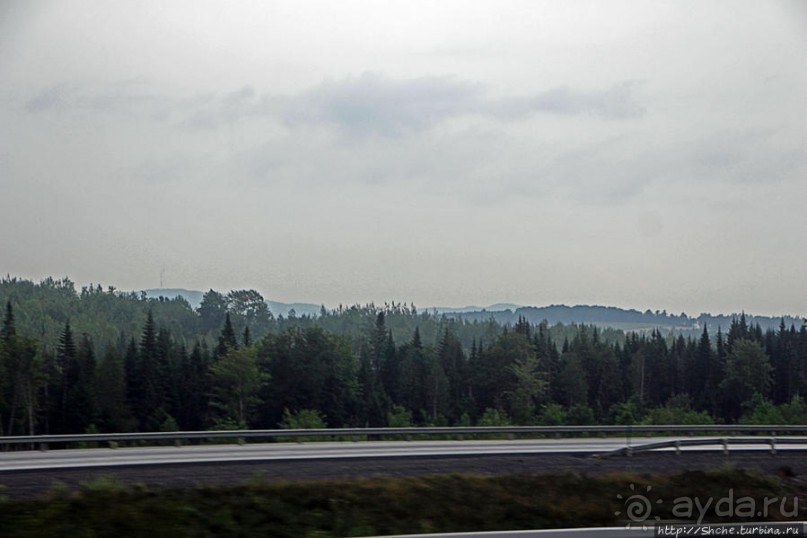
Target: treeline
(231,364)
(111,317)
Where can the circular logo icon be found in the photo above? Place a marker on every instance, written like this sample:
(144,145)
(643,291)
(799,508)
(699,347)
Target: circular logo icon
(638,507)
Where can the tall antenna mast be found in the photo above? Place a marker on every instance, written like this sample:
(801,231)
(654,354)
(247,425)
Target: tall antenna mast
(162,273)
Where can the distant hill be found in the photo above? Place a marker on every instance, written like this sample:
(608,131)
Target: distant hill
(620,318)
(505,313)
(300,309)
(194,297)
(470,309)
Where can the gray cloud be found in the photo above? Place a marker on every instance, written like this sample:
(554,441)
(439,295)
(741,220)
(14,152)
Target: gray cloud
(371,104)
(58,96)
(129,97)
(618,102)
(215,111)
(522,176)
(376,104)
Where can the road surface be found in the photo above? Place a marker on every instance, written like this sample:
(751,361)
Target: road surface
(108,457)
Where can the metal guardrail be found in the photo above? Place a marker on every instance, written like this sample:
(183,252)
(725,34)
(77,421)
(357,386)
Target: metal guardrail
(724,441)
(627,431)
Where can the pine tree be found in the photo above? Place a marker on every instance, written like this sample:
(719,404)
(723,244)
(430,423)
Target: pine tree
(373,400)
(523,326)
(8,331)
(704,373)
(134,380)
(720,346)
(5,355)
(68,368)
(81,402)
(246,338)
(113,413)
(149,411)
(197,389)
(454,365)
(227,339)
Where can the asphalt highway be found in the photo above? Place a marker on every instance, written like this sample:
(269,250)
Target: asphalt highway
(110,457)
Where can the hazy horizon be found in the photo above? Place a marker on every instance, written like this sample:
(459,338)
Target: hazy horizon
(644,155)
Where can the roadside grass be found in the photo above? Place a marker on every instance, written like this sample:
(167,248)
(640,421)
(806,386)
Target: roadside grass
(364,507)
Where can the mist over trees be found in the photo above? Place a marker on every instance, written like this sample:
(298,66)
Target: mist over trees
(101,360)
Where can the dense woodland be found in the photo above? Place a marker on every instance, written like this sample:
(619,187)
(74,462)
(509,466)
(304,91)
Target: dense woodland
(101,360)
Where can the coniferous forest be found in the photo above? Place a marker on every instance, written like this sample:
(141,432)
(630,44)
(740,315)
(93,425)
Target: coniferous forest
(95,359)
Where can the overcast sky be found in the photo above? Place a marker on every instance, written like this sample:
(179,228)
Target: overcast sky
(639,154)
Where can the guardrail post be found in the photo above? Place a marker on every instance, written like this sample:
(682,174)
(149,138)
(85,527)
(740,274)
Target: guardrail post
(677,448)
(725,446)
(773,445)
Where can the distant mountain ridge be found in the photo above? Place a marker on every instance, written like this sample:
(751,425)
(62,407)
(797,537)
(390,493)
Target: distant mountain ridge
(505,313)
(626,319)
(193,297)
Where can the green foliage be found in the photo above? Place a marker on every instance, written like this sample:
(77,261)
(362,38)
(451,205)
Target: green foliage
(399,417)
(493,417)
(309,369)
(678,410)
(169,424)
(571,386)
(529,386)
(580,415)
(625,413)
(305,419)
(227,424)
(556,415)
(761,411)
(237,380)
(748,372)
(553,415)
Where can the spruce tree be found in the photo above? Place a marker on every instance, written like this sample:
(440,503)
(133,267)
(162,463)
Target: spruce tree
(150,411)
(246,338)
(134,381)
(8,331)
(704,379)
(227,339)
(113,413)
(68,376)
